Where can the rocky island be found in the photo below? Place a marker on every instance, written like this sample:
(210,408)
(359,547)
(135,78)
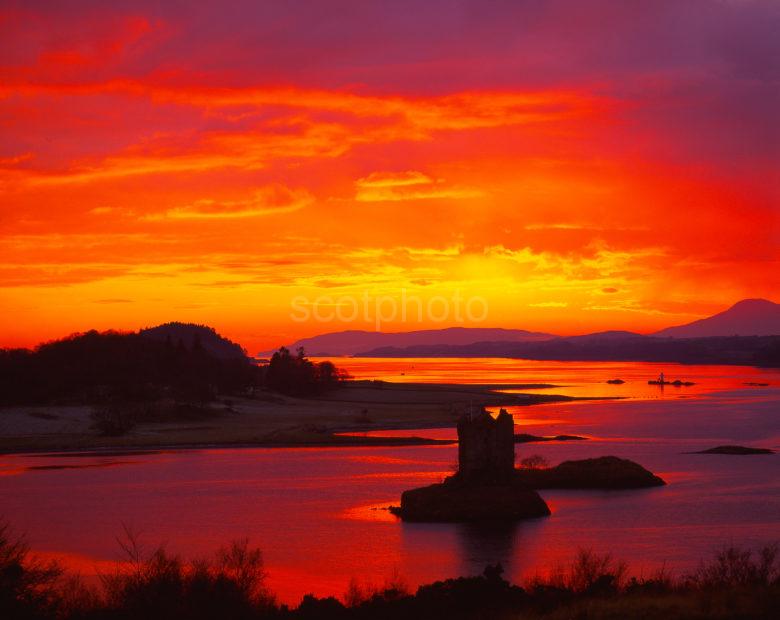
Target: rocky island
(485,486)
(604,472)
(735,450)
(488,487)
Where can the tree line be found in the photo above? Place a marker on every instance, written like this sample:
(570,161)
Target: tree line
(96,367)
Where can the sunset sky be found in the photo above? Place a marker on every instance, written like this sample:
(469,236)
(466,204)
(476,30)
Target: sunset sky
(579,165)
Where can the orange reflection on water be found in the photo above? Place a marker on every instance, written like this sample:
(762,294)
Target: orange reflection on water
(402,475)
(583,379)
(446,434)
(673,477)
(371,512)
(11,468)
(374,458)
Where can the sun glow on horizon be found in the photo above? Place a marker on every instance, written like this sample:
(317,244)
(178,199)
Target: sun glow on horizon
(155,166)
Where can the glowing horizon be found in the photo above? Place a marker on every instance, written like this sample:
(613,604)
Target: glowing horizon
(581,169)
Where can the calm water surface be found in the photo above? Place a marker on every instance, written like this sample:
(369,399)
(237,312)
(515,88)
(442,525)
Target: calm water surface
(316,513)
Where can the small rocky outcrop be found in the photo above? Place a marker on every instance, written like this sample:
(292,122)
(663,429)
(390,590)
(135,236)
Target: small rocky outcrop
(606,472)
(526,438)
(736,450)
(675,383)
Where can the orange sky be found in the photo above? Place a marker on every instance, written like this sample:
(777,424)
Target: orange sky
(577,169)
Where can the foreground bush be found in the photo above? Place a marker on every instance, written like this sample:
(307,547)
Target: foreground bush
(28,586)
(230,585)
(737,583)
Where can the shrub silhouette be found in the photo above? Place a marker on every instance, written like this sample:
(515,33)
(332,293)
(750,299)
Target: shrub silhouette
(535,461)
(28,586)
(161,585)
(589,573)
(733,567)
(231,585)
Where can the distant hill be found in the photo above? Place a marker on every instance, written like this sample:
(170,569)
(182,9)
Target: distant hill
(746,333)
(351,342)
(747,350)
(603,337)
(749,317)
(190,333)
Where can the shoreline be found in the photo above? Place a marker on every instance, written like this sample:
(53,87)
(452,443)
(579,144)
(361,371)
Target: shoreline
(141,449)
(272,421)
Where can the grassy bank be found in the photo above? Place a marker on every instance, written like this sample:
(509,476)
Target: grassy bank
(735,583)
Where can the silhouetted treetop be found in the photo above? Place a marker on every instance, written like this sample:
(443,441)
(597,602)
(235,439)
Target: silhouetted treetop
(296,375)
(186,362)
(93,366)
(192,335)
